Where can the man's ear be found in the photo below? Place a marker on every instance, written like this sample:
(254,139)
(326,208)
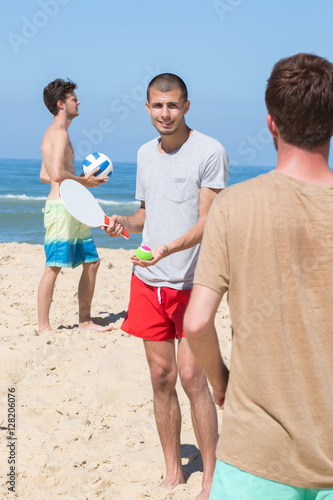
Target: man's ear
(272,126)
(147,107)
(186,107)
(60,104)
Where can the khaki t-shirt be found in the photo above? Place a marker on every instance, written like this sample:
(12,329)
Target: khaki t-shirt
(269,243)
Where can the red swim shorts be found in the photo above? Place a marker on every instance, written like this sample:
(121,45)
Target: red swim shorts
(155,313)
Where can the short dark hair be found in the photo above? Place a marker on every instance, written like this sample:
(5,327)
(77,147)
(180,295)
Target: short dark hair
(58,89)
(299,97)
(166,82)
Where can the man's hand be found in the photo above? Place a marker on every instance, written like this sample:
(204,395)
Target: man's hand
(158,254)
(91,181)
(115,229)
(218,393)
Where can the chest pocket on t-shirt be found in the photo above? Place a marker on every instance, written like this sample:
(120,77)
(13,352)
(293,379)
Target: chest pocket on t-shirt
(181,189)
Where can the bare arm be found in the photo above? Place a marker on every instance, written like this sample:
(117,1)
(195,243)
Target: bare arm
(194,235)
(202,338)
(191,237)
(58,170)
(44,176)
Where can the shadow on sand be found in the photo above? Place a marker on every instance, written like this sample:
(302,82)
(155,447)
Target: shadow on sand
(194,461)
(106,320)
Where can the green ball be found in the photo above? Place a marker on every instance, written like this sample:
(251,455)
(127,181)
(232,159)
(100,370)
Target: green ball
(144,253)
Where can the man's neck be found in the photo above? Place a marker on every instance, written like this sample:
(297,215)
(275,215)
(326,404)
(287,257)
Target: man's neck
(305,165)
(170,143)
(61,120)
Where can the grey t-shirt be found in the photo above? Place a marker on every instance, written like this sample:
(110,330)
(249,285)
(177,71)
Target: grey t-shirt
(170,184)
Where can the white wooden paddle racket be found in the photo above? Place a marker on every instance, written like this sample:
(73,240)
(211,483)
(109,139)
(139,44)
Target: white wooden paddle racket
(83,206)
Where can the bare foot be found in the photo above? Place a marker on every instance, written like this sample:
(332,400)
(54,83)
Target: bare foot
(171,483)
(90,325)
(205,492)
(44,329)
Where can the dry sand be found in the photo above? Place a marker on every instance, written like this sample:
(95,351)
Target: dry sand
(84,415)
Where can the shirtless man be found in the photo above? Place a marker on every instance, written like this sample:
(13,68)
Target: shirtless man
(67,242)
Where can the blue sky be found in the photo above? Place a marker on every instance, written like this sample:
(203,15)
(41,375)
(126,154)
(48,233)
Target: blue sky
(223,49)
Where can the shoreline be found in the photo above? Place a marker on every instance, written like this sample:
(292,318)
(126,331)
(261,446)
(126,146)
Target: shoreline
(85,423)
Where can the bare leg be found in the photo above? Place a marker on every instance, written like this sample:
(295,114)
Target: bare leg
(204,417)
(44,297)
(85,294)
(163,371)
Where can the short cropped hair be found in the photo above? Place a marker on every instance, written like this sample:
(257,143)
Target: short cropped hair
(166,82)
(58,89)
(299,97)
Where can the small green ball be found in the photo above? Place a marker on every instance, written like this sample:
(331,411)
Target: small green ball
(144,253)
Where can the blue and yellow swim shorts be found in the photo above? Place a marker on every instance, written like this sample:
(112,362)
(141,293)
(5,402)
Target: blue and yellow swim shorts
(68,243)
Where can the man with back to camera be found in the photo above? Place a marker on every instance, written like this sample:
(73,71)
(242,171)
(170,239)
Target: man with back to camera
(268,242)
(67,242)
(178,176)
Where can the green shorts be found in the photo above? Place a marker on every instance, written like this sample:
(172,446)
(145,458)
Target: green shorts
(230,483)
(68,243)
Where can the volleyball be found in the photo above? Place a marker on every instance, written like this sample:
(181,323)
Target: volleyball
(94,160)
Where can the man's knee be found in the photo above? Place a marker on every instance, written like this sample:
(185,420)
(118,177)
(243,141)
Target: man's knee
(192,379)
(95,265)
(91,266)
(52,270)
(163,378)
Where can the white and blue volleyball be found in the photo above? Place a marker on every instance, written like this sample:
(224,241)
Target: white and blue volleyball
(94,160)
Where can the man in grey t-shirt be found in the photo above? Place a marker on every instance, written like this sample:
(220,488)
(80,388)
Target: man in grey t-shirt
(178,176)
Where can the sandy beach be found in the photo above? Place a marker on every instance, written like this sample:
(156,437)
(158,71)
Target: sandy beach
(84,423)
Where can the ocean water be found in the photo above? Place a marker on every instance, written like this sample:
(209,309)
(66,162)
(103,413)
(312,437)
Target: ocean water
(22,197)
